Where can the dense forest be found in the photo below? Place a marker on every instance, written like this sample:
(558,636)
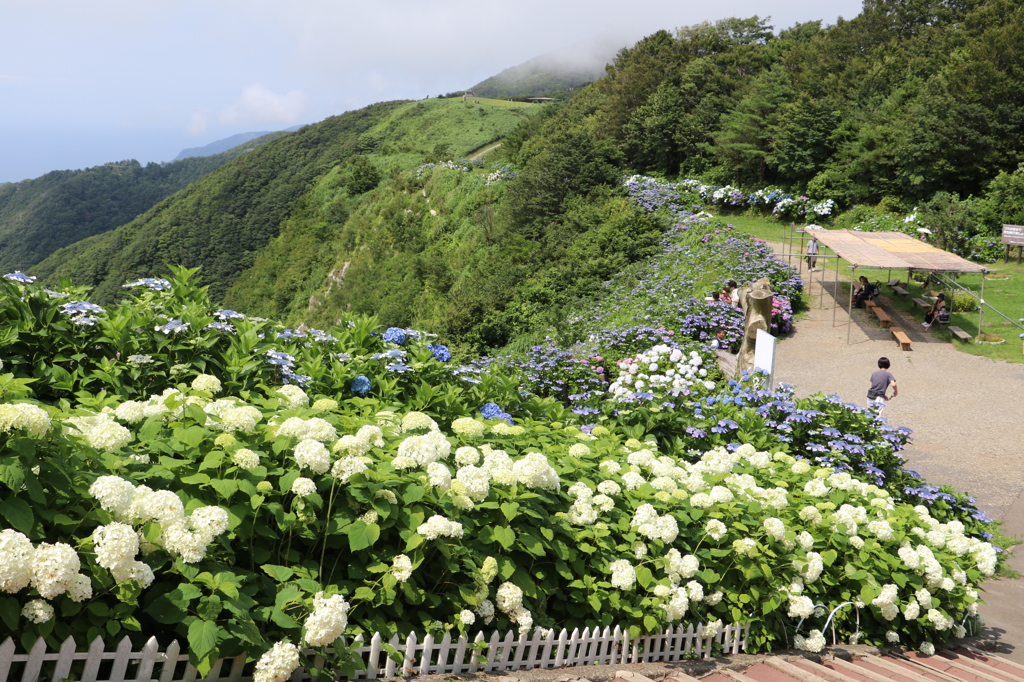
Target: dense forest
(39,216)
(912,103)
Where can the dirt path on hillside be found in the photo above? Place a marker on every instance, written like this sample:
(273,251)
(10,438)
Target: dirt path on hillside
(483,151)
(967,413)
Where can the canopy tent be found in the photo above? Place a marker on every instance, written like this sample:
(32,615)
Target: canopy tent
(892,251)
(888,251)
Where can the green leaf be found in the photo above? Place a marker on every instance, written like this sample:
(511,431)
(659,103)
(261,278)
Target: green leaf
(202,637)
(225,487)
(510,510)
(644,576)
(18,513)
(12,475)
(193,435)
(362,535)
(505,536)
(278,573)
(10,611)
(829,557)
(195,479)
(413,493)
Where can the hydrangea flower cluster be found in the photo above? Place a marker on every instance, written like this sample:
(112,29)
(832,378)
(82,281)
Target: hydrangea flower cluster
(659,373)
(187,536)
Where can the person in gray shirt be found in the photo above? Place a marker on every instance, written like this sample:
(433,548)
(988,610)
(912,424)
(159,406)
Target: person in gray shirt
(881,380)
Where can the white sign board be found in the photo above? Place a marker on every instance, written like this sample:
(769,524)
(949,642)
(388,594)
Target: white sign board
(764,355)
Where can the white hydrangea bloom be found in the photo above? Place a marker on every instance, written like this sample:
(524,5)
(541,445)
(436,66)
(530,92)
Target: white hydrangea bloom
(609,487)
(509,597)
(15,561)
(485,610)
(321,430)
(776,528)
(417,420)
(54,568)
(623,574)
(467,617)
(302,487)
(814,642)
(609,467)
(292,426)
(401,568)
(475,482)
(579,450)
(277,664)
(715,529)
(632,480)
(37,611)
(100,431)
(245,459)
(328,620)
(467,426)
(467,455)
(206,382)
(294,397)
(311,454)
(440,476)
(34,419)
(438,526)
(534,471)
(346,467)
(130,411)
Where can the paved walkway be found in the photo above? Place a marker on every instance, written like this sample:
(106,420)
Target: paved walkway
(967,413)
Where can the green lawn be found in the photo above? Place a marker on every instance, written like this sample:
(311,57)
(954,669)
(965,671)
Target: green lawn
(1007,295)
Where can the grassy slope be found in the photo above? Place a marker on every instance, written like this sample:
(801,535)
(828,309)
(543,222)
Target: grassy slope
(294,266)
(221,222)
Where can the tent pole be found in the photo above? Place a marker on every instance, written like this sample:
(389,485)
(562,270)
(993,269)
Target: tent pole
(821,282)
(981,303)
(849,318)
(835,291)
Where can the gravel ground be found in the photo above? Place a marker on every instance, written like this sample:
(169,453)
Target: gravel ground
(967,413)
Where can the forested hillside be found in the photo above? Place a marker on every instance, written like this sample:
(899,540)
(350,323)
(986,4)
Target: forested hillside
(305,178)
(39,216)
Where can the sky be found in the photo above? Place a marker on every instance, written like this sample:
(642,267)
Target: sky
(85,83)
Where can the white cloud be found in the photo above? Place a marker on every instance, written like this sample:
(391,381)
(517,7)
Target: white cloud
(259,105)
(198,124)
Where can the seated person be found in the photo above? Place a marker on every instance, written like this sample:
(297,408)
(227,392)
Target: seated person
(935,312)
(728,292)
(865,292)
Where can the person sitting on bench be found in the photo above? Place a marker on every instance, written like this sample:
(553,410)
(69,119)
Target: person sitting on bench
(936,311)
(865,292)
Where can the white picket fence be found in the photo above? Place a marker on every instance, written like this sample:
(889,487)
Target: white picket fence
(597,647)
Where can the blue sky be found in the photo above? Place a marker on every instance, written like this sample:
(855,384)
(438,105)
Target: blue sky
(82,84)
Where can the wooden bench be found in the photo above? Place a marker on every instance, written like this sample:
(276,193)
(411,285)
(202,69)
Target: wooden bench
(897,289)
(959,333)
(893,284)
(902,340)
(869,304)
(922,303)
(883,317)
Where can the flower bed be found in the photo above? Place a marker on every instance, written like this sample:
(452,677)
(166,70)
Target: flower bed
(162,477)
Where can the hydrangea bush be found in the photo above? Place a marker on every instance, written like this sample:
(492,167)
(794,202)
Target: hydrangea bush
(210,494)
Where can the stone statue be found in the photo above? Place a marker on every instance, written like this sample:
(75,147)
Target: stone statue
(756,301)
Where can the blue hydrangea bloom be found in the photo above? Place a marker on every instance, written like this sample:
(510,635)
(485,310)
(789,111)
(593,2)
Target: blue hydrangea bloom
(492,411)
(360,385)
(395,335)
(19,276)
(439,351)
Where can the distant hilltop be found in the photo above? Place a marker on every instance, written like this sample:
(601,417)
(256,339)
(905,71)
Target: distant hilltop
(227,143)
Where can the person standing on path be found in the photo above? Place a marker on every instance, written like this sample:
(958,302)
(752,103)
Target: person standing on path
(881,380)
(812,253)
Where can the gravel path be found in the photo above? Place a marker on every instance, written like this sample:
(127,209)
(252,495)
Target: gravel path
(967,413)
